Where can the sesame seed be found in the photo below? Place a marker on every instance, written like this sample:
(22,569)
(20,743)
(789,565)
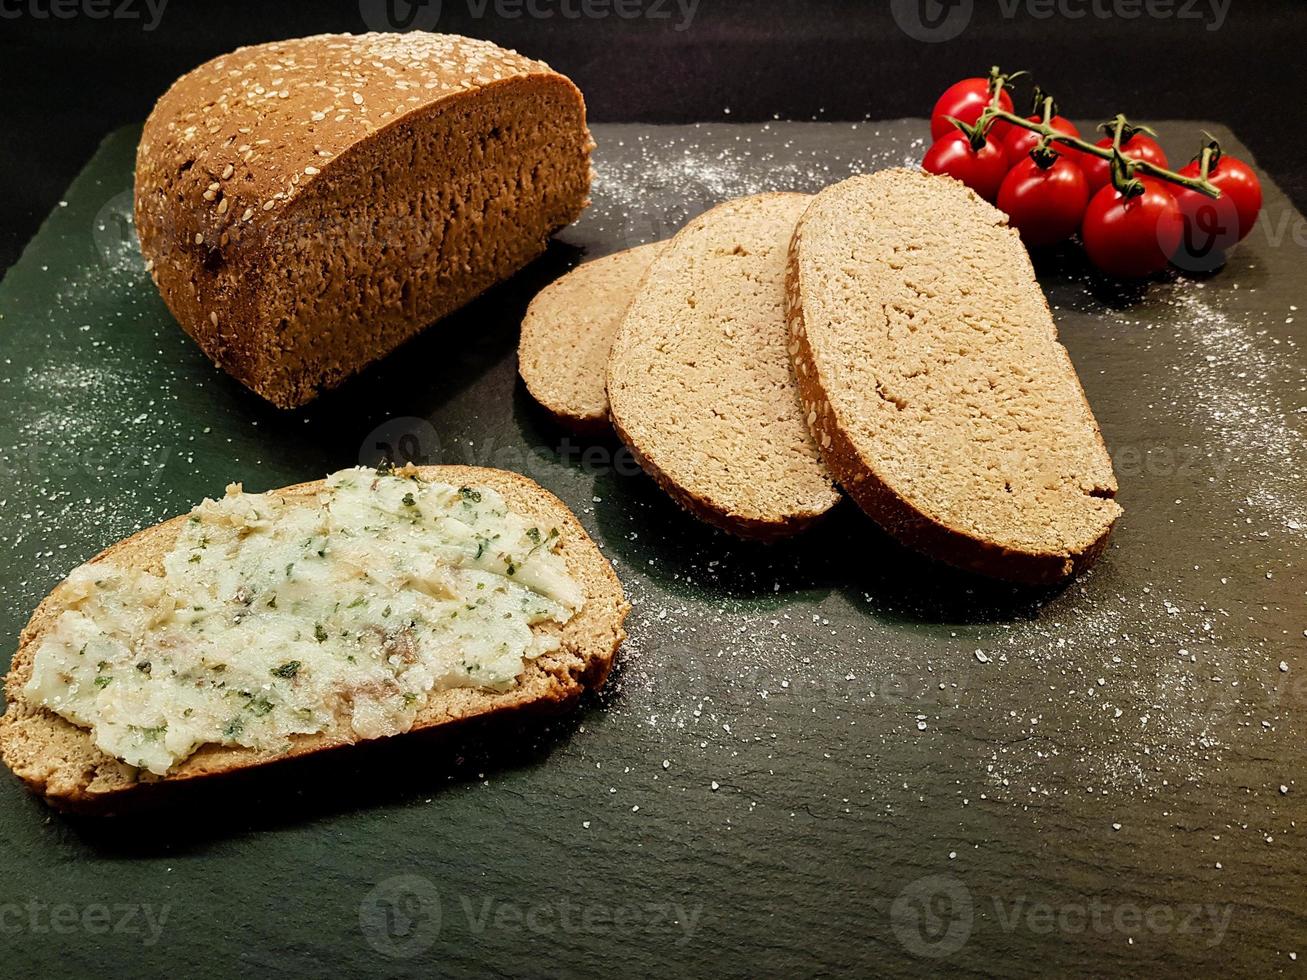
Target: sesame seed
(214,186)
(311,171)
(269,205)
(222,206)
(228,171)
(358,99)
(249,213)
(199,239)
(213,318)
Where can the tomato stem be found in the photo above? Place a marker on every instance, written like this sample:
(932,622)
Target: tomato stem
(1121,129)
(1210,155)
(975,134)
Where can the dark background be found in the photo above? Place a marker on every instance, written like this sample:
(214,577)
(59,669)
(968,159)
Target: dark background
(66,82)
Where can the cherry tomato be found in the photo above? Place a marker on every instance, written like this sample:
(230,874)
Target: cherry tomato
(1240,190)
(1134,236)
(982,170)
(1019,142)
(1045,204)
(1140,146)
(965,100)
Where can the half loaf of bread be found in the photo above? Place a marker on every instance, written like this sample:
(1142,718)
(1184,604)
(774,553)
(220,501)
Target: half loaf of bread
(305,206)
(933,380)
(699,382)
(60,760)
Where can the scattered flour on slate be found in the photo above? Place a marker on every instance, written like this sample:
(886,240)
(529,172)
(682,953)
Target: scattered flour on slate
(648,185)
(90,407)
(1247,420)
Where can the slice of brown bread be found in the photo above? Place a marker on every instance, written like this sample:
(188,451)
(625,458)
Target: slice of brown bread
(699,382)
(305,206)
(568,331)
(59,760)
(934,382)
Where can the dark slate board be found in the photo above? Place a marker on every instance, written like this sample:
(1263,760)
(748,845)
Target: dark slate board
(822,756)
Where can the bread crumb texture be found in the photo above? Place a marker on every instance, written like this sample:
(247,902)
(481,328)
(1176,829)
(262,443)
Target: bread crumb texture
(568,332)
(307,205)
(933,380)
(699,380)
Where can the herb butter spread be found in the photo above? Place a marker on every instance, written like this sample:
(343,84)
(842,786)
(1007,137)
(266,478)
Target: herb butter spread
(279,616)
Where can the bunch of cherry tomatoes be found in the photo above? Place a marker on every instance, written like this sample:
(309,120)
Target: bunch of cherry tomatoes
(1133,215)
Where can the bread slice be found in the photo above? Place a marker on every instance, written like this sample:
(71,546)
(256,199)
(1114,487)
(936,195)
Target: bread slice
(568,331)
(305,206)
(59,760)
(699,381)
(933,380)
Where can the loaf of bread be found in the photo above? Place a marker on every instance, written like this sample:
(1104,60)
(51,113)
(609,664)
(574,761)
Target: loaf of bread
(568,332)
(932,378)
(306,206)
(699,382)
(334,643)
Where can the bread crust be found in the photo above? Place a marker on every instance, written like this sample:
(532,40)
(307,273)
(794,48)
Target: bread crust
(859,477)
(59,760)
(216,192)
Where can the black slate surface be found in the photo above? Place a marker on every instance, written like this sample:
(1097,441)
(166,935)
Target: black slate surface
(824,756)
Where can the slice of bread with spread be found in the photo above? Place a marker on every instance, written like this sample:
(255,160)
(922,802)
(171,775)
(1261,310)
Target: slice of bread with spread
(306,206)
(699,382)
(268,626)
(933,380)
(568,332)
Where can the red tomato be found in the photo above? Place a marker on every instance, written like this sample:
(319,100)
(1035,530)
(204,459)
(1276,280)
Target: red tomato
(1019,142)
(982,170)
(965,100)
(1140,146)
(1239,187)
(1135,236)
(1045,204)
